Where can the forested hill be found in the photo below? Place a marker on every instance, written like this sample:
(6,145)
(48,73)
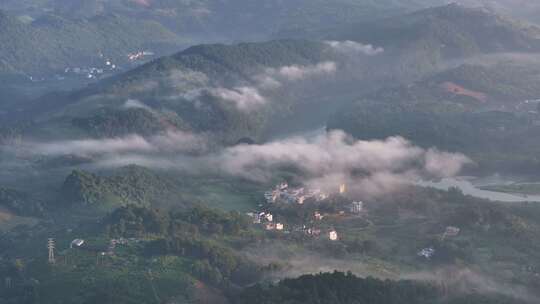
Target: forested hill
(202,86)
(488,112)
(341,288)
(52,43)
(454,30)
(419,42)
(189,85)
(226,61)
(226,20)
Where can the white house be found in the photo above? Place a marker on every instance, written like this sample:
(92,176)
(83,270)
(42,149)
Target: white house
(76,243)
(356,207)
(452,231)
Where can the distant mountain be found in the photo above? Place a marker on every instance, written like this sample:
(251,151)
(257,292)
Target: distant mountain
(471,86)
(453,30)
(422,40)
(488,112)
(523,9)
(201,89)
(53,43)
(233,20)
(116,28)
(230,19)
(188,90)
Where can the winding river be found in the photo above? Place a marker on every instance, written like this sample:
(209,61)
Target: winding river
(470,186)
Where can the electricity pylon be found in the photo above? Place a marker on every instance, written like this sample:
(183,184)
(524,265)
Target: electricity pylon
(50,246)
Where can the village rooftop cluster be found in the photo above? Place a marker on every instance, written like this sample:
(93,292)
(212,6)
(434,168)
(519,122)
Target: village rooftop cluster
(92,73)
(284,194)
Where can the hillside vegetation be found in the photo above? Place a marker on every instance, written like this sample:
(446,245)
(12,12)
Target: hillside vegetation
(341,288)
(178,88)
(52,43)
(419,41)
(20,203)
(131,185)
(485,111)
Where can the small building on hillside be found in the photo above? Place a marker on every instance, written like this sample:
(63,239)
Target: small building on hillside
(356,207)
(452,231)
(269,217)
(76,243)
(426,253)
(313,232)
(332,235)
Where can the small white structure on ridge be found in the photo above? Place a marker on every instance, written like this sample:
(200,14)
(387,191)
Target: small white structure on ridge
(76,243)
(426,252)
(356,207)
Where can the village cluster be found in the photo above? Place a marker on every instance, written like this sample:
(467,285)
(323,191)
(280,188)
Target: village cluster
(89,73)
(92,73)
(281,194)
(284,194)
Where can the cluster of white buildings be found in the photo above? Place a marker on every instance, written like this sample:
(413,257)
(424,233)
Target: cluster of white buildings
(93,72)
(427,253)
(356,207)
(285,194)
(86,72)
(139,55)
(266,219)
(261,217)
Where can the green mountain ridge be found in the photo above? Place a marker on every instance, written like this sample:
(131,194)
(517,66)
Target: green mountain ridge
(418,42)
(165,82)
(52,43)
(486,112)
(415,44)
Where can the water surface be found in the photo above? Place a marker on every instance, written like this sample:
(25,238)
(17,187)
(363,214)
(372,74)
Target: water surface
(470,186)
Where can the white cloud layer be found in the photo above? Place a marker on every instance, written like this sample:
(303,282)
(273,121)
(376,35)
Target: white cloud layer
(354,48)
(325,160)
(250,97)
(244,98)
(299,72)
(167,142)
(135,104)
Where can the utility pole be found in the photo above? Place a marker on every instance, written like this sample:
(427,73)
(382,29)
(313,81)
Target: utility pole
(50,246)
